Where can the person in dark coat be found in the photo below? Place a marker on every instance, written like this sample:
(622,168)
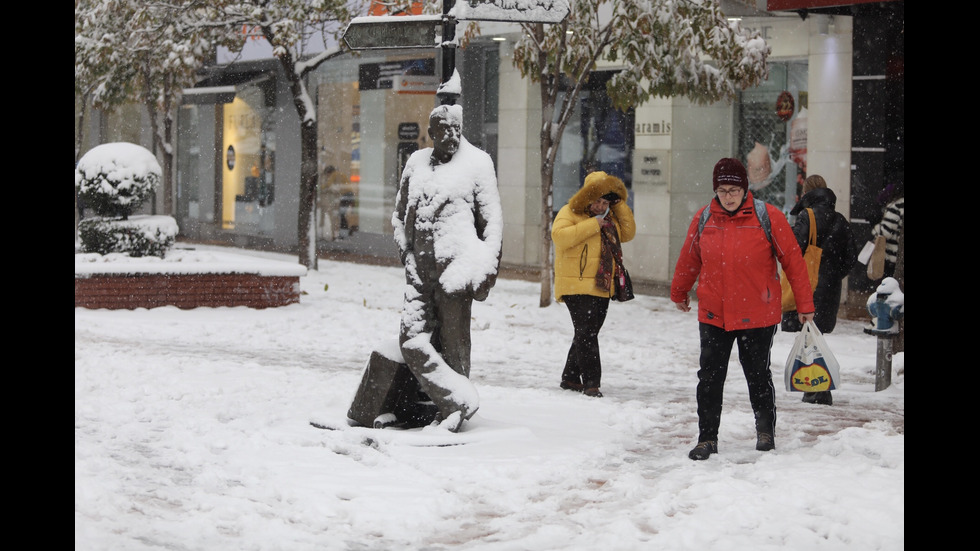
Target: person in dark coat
(839,255)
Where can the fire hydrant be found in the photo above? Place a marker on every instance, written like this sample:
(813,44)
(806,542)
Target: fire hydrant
(887,305)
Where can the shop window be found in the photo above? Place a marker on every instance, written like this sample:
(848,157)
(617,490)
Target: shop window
(598,137)
(188,163)
(770,125)
(248,166)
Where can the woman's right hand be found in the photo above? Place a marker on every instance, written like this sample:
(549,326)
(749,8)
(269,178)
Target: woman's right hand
(684,306)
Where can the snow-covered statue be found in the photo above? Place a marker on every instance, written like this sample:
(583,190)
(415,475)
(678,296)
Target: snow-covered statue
(448,227)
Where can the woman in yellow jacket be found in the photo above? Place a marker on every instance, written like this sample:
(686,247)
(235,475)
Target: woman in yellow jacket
(585,265)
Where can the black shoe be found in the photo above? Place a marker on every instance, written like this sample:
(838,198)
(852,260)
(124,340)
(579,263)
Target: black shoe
(764,442)
(823,398)
(572,385)
(703,450)
(593,392)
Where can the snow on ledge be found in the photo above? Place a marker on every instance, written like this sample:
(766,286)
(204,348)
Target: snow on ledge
(183,261)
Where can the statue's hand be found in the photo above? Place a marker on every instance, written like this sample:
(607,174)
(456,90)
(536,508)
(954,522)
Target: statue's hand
(482,291)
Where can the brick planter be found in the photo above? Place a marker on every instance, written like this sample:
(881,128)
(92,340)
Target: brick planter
(185,280)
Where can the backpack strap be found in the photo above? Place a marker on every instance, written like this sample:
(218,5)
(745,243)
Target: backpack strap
(705,214)
(763,215)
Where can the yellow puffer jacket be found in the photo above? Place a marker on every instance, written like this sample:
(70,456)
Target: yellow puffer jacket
(575,234)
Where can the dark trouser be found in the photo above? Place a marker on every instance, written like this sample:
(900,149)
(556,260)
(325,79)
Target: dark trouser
(754,346)
(583,363)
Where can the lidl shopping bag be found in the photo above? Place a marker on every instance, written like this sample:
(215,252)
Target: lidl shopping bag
(811,366)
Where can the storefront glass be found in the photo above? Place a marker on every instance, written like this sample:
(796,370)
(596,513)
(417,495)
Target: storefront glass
(771,126)
(189,163)
(248,167)
(598,137)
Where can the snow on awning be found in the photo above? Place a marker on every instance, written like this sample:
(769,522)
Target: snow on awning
(208,95)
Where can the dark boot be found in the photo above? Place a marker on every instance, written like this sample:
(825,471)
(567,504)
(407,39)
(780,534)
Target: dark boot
(823,398)
(764,442)
(703,450)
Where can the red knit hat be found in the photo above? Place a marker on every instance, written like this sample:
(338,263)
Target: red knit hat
(730,172)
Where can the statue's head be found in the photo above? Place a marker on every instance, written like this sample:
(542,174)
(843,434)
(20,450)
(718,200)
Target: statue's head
(446,131)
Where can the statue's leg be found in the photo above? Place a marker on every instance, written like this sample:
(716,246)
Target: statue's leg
(454,314)
(450,391)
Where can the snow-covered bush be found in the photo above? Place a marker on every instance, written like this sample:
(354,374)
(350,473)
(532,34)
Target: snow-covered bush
(114,179)
(138,236)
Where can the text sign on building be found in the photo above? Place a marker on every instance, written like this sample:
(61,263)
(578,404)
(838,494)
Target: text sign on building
(517,11)
(376,32)
(408,131)
(651,167)
(381,32)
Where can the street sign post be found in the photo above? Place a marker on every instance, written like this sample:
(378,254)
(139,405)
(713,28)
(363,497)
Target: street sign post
(516,11)
(423,31)
(420,31)
(380,33)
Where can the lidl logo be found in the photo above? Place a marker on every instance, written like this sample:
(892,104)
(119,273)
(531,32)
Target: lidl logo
(811,378)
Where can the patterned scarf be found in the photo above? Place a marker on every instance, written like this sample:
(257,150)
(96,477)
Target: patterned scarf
(610,253)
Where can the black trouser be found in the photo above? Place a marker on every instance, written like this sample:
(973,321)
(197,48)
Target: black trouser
(583,363)
(754,346)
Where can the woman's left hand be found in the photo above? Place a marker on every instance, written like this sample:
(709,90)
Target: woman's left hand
(805,317)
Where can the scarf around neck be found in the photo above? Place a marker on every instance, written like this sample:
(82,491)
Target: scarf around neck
(610,254)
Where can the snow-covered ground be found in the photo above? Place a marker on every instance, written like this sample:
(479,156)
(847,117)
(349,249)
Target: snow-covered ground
(192,432)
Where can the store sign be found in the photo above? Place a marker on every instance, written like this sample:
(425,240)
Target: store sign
(383,76)
(651,167)
(415,84)
(408,131)
(373,32)
(649,128)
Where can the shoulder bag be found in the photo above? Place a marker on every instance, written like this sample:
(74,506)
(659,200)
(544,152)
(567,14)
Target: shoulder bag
(876,264)
(623,283)
(812,259)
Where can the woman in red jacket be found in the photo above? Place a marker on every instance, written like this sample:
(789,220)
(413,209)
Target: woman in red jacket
(735,265)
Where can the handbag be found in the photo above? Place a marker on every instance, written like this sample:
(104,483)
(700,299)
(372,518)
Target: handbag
(623,284)
(811,366)
(876,265)
(812,260)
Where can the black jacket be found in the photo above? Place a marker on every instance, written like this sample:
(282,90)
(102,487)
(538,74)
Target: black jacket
(839,255)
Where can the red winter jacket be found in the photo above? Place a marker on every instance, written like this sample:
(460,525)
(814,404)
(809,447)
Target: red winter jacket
(734,265)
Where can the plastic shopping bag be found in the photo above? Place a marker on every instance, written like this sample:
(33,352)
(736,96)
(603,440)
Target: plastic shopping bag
(811,366)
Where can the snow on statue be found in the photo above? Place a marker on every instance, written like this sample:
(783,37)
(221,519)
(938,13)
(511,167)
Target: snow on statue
(449,230)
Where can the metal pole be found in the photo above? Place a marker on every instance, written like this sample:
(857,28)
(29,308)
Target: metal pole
(448,51)
(883,363)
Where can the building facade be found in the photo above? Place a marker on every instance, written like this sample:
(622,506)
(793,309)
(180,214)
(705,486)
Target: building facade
(238,148)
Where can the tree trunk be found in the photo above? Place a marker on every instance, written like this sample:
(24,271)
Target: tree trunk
(547,173)
(305,228)
(157,146)
(168,156)
(78,149)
